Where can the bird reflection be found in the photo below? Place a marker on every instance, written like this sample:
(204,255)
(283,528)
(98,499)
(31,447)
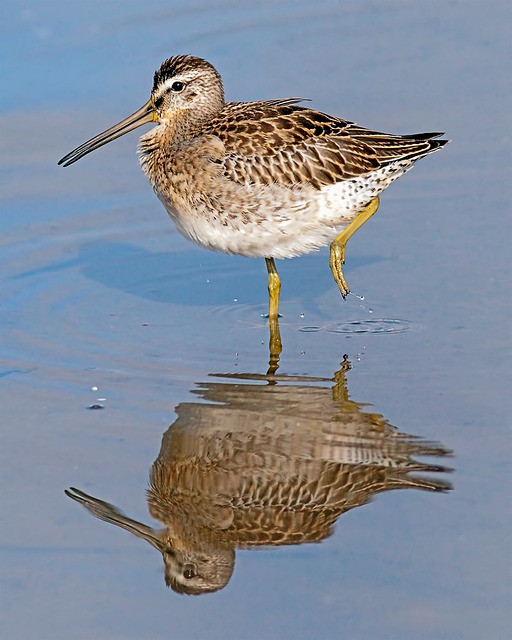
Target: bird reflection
(254,464)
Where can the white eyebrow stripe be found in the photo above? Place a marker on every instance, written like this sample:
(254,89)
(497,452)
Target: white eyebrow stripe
(185,78)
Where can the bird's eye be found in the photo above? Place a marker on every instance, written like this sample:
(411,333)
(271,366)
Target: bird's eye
(189,571)
(177,86)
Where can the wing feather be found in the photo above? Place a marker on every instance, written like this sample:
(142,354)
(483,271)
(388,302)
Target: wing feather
(278,141)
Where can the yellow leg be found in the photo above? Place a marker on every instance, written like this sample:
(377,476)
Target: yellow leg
(274,288)
(340,390)
(275,346)
(337,255)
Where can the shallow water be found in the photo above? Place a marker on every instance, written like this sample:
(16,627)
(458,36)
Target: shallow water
(104,304)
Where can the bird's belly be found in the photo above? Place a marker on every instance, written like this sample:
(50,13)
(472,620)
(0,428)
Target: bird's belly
(270,221)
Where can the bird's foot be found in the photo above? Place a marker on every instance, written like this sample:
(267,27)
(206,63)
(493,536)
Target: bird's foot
(336,262)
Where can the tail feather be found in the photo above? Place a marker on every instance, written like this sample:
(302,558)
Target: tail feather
(423,136)
(391,148)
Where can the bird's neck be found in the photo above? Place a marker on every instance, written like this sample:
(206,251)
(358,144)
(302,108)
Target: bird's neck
(161,142)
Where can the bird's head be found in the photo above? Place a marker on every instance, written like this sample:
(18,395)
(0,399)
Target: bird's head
(185,88)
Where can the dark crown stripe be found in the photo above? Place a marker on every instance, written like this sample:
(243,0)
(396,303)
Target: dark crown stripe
(176,65)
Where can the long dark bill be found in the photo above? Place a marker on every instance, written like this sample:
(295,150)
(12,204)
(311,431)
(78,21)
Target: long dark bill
(144,115)
(108,513)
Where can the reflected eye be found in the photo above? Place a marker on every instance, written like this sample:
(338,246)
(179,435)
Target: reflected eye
(177,86)
(189,571)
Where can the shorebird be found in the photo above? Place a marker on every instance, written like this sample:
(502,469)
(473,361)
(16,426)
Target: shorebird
(252,465)
(269,179)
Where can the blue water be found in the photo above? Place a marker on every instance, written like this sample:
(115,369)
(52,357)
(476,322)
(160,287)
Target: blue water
(104,303)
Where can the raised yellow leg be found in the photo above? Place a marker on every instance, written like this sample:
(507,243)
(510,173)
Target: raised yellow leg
(337,254)
(274,288)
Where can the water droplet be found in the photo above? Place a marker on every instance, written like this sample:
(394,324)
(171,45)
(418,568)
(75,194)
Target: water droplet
(94,388)
(235,299)
(207,280)
(302,353)
(370,310)
(302,315)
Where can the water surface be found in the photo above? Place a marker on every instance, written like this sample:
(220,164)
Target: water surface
(104,304)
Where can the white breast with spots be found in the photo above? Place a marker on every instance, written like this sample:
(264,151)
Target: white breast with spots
(275,221)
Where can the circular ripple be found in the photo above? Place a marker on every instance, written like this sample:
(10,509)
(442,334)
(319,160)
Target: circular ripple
(310,329)
(98,295)
(374,325)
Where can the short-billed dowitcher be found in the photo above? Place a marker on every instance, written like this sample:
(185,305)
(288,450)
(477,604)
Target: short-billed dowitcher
(267,179)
